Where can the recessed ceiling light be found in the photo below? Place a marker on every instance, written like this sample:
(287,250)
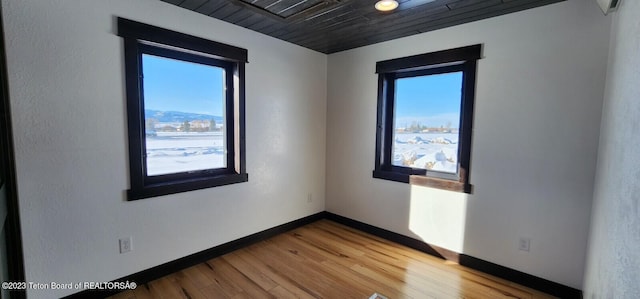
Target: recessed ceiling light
(386,5)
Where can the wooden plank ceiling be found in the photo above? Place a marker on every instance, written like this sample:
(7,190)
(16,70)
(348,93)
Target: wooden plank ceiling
(330,26)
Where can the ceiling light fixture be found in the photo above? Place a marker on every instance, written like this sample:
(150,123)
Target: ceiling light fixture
(386,5)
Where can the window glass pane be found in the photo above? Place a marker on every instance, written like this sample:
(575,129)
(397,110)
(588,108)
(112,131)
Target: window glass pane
(184,115)
(426,122)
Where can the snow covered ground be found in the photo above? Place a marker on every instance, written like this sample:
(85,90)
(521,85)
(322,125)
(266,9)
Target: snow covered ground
(172,152)
(434,151)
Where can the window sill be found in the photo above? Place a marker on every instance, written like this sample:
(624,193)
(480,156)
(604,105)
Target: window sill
(456,186)
(185,185)
(424,181)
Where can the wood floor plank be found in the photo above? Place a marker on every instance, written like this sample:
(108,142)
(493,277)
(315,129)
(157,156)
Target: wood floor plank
(335,278)
(321,254)
(281,279)
(199,279)
(340,263)
(444,273)
(125,295)
(313,278)
(325,259)
(281,292)
(142,292)
(396,265)
(367,282)
(188,287)
(437,268)
(249,287)
(220,283)
(250,271)
(167,287)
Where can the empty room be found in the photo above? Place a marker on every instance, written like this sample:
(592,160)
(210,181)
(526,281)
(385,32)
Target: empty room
(320,149)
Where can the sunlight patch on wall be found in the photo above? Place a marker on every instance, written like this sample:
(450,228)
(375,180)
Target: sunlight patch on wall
(438,217)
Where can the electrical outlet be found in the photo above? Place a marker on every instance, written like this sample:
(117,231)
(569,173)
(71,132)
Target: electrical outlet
(524,244)
(125,245)
(309,198)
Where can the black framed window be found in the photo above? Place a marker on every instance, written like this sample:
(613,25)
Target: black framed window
(425,116)
(185,109)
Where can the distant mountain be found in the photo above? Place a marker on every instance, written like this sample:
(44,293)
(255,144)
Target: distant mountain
(175,116)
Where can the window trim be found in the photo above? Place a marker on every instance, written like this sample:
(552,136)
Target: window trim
(142,39)
(459,59)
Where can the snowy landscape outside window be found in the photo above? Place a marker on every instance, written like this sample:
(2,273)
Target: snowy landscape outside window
(426,122)
(425,115)
(185,111)
(184,116)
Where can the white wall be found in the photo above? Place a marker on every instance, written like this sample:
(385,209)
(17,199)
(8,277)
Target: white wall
(613,261)
(66,79)
(538,106)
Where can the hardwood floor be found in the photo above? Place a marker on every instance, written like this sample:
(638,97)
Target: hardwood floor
(327,260)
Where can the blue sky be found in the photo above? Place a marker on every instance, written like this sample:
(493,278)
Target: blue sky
(430,100)
(173,85)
